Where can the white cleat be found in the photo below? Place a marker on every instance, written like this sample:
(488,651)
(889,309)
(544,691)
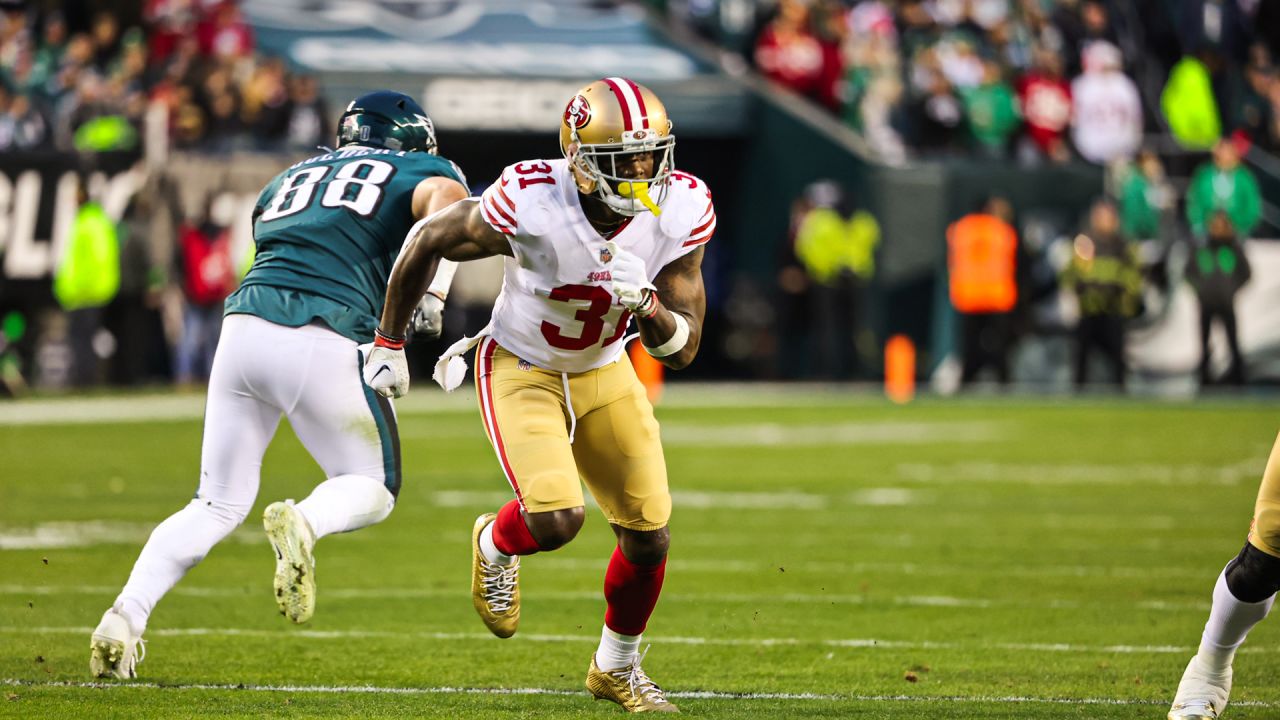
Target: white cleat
(1201,695)
(295,581)
(114,651)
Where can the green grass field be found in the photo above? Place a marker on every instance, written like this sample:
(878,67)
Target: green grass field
(831,557)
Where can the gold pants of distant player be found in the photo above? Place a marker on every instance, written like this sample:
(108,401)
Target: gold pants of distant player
(615,449)
(1264,534)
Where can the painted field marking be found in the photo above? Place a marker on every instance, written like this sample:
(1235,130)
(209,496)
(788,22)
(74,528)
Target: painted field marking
(941,601)
(692,695)
(845,643)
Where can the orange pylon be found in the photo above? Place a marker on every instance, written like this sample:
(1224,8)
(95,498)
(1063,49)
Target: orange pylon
(900,369)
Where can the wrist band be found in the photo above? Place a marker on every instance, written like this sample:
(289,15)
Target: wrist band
(381,339)
(443,278)
(677,342)
(648,306)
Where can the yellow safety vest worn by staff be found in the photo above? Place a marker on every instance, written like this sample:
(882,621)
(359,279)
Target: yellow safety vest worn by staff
(88,274)
(827,244)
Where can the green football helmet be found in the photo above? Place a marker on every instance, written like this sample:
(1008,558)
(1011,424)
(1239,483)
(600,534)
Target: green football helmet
(389,120)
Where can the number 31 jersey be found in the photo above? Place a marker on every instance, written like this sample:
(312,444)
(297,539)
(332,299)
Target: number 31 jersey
(556,309)
(328,231)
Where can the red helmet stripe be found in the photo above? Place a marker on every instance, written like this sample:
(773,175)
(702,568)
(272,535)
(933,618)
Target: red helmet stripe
(644,114)
(630,109)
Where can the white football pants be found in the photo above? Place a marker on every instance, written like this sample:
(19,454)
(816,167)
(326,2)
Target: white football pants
(260,372)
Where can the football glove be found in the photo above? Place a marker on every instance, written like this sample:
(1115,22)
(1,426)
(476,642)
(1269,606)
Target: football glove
(428,317)
(631,281)
(386,370)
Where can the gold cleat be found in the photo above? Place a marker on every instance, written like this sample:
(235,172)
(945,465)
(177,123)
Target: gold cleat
(1202,695)
(295,579)
(495,589)
(630,687)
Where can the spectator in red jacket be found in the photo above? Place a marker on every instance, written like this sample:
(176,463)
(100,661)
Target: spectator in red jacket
(789,53)
(1045,97)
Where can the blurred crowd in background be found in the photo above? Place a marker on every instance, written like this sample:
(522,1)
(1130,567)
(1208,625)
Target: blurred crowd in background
(1039,80)
(85,81)
(1168,95)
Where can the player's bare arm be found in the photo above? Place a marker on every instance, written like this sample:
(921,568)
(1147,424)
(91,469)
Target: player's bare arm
(680,291)
(456,233)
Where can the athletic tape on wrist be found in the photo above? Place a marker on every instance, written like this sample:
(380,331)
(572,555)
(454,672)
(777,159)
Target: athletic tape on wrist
(677,342)
(443,278)
(648,306)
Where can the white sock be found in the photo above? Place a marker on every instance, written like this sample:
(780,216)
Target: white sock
(491,551)
(616,650)
(175,546)
(345,503)
(1230,621)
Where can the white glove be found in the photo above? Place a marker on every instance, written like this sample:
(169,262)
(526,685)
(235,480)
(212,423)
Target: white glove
(630,278)
(428,317)
(386,370)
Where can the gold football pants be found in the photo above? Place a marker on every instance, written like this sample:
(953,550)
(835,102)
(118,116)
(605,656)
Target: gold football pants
(554,431)
(1264,534)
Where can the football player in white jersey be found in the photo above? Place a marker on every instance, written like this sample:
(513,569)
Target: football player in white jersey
(1242,598)
(609,233)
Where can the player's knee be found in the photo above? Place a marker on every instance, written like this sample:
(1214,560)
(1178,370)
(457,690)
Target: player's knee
(555,528)
(1254,575)
(226,513)
(644,547)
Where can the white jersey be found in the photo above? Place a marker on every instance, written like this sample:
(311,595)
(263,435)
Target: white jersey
(556,309)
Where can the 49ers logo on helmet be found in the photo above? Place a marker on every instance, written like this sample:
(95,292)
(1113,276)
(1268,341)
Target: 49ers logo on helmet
(578,113)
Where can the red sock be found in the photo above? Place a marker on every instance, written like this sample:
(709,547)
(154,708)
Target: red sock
(510,534)
(631,592)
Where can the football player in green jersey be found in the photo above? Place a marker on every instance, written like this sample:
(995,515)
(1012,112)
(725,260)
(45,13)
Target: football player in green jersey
(328,231)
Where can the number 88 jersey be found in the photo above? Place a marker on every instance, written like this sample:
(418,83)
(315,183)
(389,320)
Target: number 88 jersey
(556,309)
(328,231)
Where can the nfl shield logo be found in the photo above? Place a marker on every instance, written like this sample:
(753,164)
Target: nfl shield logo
(605,255)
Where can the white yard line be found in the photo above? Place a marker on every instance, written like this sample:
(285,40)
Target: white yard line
(810,435)
(942,601)
(692,695)
(1148,474)
(845,643)
(152,407)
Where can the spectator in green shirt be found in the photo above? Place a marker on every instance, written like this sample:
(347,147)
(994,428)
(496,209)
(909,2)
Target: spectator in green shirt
(992,110)
(1217,271)
(1144,196)
(1224,184)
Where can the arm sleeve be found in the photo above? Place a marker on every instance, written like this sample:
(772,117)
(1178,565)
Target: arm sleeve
(1249,203)
(498,206)
(701,232)
(265,196)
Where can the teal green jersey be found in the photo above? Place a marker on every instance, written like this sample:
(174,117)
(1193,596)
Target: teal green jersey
(328,231)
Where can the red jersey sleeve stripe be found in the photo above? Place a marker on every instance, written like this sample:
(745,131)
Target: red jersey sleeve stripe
(502,194)
(700,239)
(496,209)
(710,222)
(488,217)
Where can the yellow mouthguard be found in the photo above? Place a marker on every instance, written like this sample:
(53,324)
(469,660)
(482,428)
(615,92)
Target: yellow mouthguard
(639,191)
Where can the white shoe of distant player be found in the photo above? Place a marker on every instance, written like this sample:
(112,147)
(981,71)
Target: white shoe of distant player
(114,651)
(1201,695)
(292,539)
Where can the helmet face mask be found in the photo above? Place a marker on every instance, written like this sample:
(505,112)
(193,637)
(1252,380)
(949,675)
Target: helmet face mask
(601,166)
(388,120)
(603,126)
